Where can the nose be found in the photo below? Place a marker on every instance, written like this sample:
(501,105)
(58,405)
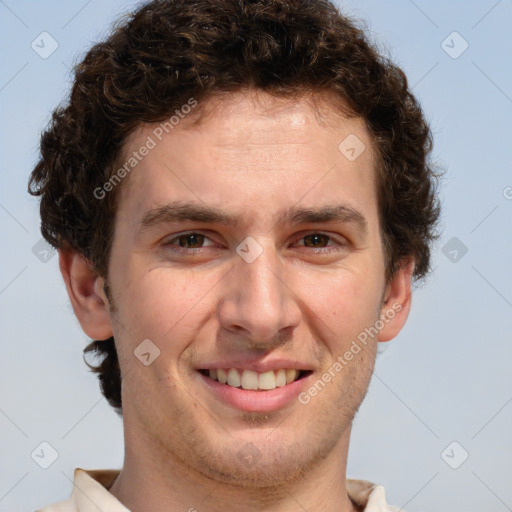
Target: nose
(259,304)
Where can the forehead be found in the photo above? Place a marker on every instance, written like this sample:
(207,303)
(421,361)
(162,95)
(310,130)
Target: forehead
(266,111)
(241,149)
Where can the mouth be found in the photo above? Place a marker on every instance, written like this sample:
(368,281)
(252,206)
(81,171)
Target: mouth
(255,381)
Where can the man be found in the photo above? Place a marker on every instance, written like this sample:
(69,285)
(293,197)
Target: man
(241,198)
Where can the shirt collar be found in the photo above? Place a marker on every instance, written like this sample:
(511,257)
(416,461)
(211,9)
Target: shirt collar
(90,493)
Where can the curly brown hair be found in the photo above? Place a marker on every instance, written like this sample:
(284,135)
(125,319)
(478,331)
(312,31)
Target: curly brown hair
(171,50)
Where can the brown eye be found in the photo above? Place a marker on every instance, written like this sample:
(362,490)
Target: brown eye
(191,240)
(316,240)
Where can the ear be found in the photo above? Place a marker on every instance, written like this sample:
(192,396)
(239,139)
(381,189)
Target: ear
(397,302)
(85,290)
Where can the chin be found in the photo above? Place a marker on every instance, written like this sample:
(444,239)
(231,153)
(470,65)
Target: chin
(260,463)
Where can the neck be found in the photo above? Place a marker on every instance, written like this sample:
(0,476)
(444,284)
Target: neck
(153,479)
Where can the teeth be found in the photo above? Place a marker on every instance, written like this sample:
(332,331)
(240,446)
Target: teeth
(233,378)
(248,379)
(267,380)
(280,378)
(221,376)
(291,375)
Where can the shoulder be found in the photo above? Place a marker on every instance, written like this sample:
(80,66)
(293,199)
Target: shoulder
(93,485)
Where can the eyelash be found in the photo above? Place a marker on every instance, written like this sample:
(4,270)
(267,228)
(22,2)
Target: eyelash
(316,250)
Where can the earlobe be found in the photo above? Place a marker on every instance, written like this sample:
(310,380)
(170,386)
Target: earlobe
(397,302)
(85,290)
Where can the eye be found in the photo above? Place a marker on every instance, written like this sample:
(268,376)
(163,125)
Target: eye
(316,240)
(189,241)
(320,241)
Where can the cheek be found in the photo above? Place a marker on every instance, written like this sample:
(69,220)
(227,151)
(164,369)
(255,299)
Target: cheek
(162,303)
(342,298)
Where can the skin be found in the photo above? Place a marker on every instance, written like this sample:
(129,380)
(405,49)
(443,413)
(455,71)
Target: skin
(249,155)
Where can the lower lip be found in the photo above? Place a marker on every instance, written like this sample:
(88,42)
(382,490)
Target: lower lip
(257,401)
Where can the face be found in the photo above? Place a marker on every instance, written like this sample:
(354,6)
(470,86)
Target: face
(247,247)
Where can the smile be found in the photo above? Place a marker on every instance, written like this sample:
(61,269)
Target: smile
(256,381)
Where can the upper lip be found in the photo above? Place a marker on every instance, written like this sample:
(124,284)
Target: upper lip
(257,366)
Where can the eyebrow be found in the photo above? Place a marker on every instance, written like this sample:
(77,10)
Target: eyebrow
(329,213)
(192,212)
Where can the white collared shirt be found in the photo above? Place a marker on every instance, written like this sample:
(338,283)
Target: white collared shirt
(90,494)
